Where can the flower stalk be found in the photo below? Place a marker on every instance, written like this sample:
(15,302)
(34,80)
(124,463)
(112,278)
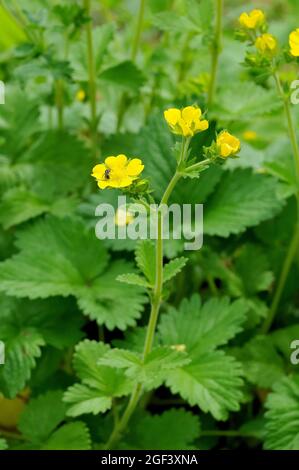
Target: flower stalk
(289,259)
(156,300)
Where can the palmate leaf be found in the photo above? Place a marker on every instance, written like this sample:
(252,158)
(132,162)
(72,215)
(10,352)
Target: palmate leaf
(212,380)
(283,415)
(99,383)
(150,372)
(242,199)
(175,429)
(59,266)
(202,328)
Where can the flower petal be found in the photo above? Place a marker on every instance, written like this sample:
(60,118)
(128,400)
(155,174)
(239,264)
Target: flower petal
(190,113)
(98,171)
(135,167)
(115,163)
(172,116)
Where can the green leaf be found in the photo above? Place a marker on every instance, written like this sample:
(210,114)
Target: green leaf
(202,328)
(151,371)
(261,363)
(283,415)
(71,436)
(134,279)
(99,383)
(253,268)
(172,268)
(160,164)
(59,266)
(23,344)
(41,416)
(145,256)
(283,337)
(242,199)
(85,400)
(175,429)
(3,444)
(124,75)
(212,381)
(254,101)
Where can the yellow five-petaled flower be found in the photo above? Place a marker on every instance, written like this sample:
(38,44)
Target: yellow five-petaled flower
(294,43)
(228,145)
(186,122)
(252,20)
(117,172)
(266,44)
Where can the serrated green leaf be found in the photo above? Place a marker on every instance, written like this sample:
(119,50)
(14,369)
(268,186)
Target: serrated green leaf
(58,266)
(151,371)
(242,199)
(99,383)
(134,279)
(175,429)
(145,256)
(85,400)
(283,415)
(41,416)
(71,436)
(172,268)
(254,101)
(22,348)
(212,382)
(202,328)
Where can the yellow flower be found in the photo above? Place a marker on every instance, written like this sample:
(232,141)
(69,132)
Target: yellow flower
(117,172)
(80,95)
(249,135)
(123,217)
(266,44)
(252,20)
(228,145)
(186,122)
(294,43)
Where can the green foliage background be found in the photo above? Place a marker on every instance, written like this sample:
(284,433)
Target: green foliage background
(73,332)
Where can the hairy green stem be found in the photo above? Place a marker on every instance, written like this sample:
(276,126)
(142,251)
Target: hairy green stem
(216,48)
(91,79)
(293,247)
(156,299)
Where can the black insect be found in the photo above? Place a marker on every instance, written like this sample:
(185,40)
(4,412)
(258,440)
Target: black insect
(107,174)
